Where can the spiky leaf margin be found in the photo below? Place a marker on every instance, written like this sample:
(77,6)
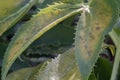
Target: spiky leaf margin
(64,67)
(96,20)
(46,19)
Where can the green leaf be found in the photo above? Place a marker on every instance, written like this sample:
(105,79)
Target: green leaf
(118,1)
(53,41)
(103,69)
(64,1)
(46,19)
(22,74)
(92,76)
(115,35)
(25,73)
(11,11)
(64,67)
(46,2)
(3,46)
(72,1)
(95,21)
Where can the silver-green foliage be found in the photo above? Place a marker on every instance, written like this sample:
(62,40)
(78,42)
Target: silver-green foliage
(97,18)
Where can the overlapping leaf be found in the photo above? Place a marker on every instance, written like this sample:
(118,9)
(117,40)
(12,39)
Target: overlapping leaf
(96,20)
(33,29)
(12,11)
(53,41)
(64,67)
(115,35)
(103,69)
(46,2)
(22,74)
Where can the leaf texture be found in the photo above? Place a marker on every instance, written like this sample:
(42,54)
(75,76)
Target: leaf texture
(115,35)
(22,74)
(33,29)
(97,20)
(64,67)
(11,11)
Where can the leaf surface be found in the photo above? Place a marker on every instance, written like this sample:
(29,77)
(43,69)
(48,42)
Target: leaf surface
(64,67)
(103,69)
(22,74)
(46,19)
(46,2)
(115,35)
(11,11)
(97,20)
(53,41)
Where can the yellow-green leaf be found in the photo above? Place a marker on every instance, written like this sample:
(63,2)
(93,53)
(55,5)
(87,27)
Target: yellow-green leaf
(11,11)
(64,67)
(22,74)
(33,29)
(96,20)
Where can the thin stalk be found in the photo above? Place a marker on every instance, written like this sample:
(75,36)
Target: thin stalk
(116,65)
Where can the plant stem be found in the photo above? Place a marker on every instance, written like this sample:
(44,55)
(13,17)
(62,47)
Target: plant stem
(116,65)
